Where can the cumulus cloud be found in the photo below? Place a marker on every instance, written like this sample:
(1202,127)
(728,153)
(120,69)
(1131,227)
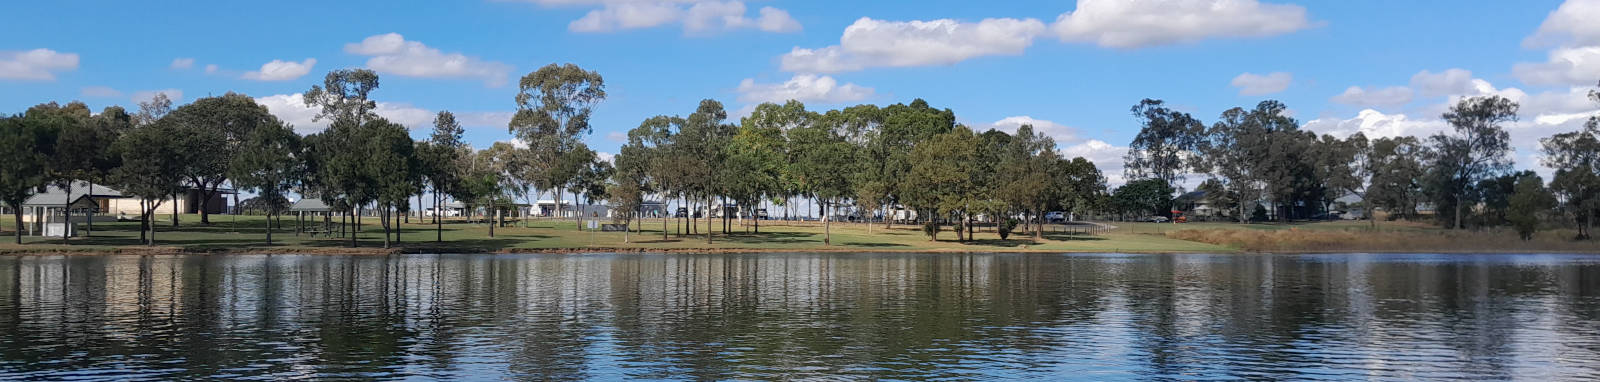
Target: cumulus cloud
(292,109)
(1566,66)
(211,68)
(871,43)
(1449,82)
(697,16)
(392,54)
(1144,23)
(280,70)
(1375,124)
(35,65)
(1389,96)
(803,88)
(1571,24)
(176,95)
(1251,84)
(100,91)
(1106,157)
(181,63)
(1062,134)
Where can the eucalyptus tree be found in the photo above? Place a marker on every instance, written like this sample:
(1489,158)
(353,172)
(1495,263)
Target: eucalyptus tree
(1027,181)
(567,175)
(1396,169)
(220,125)
(554,104)
(1529,200)
(1079,184)
(1478,148)
(344,94)
(270,163)
(905,126)
(393,169)
(699,144)
(821,166)
(1575,156)
(757,154)
(152,109)
(1233,150)
(152,168)
(1167,145)
(940,182)
(493,178)
(339,170)
(81,146)
(26,147)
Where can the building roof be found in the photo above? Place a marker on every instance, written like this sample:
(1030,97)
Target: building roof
(309,205)
(60,199)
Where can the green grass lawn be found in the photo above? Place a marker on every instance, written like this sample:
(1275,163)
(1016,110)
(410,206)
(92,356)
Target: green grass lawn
(247,233)
(244,233)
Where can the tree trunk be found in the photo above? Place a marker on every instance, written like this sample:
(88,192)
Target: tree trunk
(16,213)
(708,220)
(355,225)
(383,218)
(205,197)
(66,212)
(496,214)
(664,218)
(438,225)
(1458,211)
(397,224)
(269,228)
(90,215)
(827,225)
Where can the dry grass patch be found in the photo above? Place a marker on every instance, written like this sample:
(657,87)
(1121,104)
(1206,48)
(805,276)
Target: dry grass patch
(1404,239)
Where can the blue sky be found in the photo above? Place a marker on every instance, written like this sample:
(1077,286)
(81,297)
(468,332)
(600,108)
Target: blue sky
(1075,67)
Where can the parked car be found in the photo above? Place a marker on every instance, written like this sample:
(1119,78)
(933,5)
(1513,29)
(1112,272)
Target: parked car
(1055,217)
(1157,219)
(682,212)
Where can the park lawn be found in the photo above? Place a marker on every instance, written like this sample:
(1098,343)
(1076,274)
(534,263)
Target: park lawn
(246,233)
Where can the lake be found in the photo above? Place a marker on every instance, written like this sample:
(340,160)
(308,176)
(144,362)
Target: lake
(801,316)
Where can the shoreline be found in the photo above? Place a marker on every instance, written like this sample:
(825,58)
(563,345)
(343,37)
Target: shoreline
(364,251)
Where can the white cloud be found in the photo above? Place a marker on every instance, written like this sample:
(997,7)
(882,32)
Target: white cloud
(182,63)
(175,95)
(280,70)
(871,43)
(292,109)
(1062,134)
(697,16)
(1145,23)
(1389,96)
(1251,84)
(617,136)
(100,91)
(211,68)
(1375,124)
(1106,157)
(1571,24)
(803,88)
(1566,66)
(392,54)
(37,64)
(605,156)
(1449,82)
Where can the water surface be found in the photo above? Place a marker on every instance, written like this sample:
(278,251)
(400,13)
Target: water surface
(798,316)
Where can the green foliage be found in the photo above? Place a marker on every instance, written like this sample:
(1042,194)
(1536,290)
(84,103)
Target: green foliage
(344,94)
(1575,156)
(1144,197)
(1479,148)
(1529,201)
(1165,145)
(26,146)
(220,125)
(1005,226)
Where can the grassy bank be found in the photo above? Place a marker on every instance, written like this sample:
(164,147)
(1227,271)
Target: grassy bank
(246,234)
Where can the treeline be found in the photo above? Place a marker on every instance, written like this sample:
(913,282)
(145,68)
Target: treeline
(872,159)
(1261,157)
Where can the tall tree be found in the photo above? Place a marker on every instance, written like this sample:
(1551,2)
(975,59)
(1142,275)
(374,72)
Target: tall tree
(822,169)
(26,147)
(344,94)
(152,168)
(220,124)
(441,161)
(1395,168)
(554,104)
(757,157)
(1575,156)
(81,147)
(942,178)
(153,109)
(1528,202)
(270,163)
(392,168)
(1166,145)
(1479,148)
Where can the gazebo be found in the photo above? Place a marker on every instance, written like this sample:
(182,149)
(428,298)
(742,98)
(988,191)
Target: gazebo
(313,208)
(46,209)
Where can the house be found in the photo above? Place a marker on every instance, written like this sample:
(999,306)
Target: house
(94,202)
